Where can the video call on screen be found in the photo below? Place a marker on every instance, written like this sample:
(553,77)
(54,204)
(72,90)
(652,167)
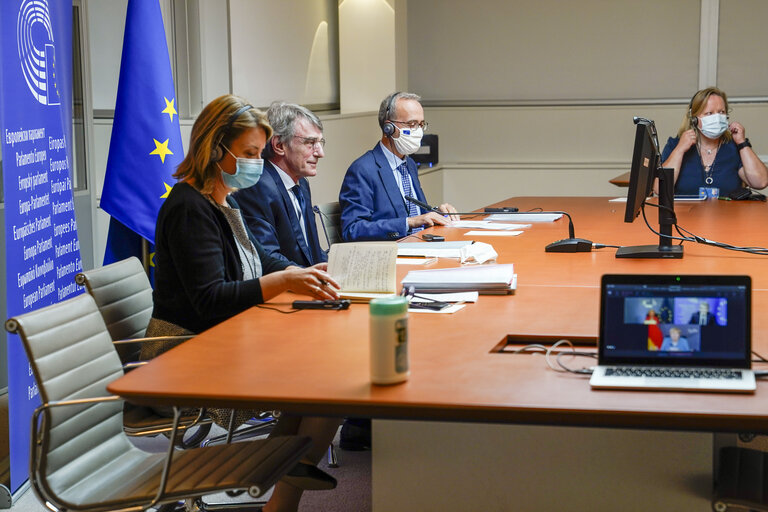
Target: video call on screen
(675,321)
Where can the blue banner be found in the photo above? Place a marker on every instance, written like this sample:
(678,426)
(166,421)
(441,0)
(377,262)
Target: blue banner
(146,137)
(42,248)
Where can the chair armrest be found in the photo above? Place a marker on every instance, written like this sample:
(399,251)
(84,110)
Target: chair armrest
(131,366)
(155,338)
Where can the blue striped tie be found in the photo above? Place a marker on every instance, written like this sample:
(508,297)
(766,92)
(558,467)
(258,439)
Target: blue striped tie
(413,210)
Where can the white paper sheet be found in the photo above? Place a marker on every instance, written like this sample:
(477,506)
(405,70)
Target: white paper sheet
(493,233)
(525,217)
(485,224)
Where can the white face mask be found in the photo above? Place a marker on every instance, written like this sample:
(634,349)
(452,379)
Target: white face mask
(408,141)
(713,126)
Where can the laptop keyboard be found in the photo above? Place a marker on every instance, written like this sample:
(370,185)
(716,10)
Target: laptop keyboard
(674,373)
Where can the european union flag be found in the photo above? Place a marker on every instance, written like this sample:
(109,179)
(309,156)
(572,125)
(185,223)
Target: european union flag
(146,139)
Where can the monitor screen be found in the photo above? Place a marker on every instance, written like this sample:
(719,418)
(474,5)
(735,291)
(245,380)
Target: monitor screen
(645,161)
(696,320)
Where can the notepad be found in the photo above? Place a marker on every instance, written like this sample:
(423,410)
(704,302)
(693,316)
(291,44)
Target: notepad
(364,270)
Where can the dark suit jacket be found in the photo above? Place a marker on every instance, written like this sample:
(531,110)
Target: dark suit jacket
(695,318)
(372,207)
(269,213)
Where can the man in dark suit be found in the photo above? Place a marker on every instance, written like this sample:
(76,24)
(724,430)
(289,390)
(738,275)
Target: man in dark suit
(372,197)
(703,316)
(278,209)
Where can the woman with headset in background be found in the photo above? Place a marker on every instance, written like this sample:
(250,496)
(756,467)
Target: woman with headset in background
(209,267)
(711,154)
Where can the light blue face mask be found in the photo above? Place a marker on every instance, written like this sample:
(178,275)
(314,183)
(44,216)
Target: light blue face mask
(247,174)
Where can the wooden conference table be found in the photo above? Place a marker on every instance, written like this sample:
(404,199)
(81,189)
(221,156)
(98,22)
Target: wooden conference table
(316,362)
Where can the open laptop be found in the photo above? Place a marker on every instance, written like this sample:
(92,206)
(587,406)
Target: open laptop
(675,332)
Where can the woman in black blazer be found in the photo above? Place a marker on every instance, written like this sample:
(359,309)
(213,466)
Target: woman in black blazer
(209,267)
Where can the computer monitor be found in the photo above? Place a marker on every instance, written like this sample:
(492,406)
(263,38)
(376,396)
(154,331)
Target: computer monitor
(646,167)
(645,161)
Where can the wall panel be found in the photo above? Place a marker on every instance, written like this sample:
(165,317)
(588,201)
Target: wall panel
(550,49)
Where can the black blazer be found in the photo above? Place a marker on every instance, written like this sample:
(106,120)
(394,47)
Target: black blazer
(198,273)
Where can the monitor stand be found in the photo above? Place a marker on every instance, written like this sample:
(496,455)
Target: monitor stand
(667,219)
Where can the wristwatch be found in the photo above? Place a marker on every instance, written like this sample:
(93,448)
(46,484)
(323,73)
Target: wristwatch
(745,144)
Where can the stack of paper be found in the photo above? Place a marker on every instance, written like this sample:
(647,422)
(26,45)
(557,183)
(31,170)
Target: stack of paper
(486,279)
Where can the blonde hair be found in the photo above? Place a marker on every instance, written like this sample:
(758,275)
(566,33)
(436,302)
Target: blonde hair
(697,105)
(222,121)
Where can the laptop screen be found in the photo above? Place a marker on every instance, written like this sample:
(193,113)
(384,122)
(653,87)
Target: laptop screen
(675,320)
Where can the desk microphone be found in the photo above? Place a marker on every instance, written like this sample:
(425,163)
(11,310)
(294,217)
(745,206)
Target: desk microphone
(422,204)
(570,244)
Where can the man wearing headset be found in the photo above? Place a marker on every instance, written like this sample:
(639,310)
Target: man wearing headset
(373,193)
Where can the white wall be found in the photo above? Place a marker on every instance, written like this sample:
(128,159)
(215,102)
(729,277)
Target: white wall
(559,87)
(366,53)
(536,97)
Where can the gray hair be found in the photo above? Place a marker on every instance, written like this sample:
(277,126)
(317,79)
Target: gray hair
(388,105)
(283,117)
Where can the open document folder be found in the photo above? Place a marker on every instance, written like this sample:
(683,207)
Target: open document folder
(364,270)
(486,279)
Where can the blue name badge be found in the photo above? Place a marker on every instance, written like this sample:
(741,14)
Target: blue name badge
(709,192)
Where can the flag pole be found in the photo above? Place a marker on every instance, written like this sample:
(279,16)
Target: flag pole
(145,254)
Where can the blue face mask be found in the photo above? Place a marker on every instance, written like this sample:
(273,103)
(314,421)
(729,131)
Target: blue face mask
(247,174)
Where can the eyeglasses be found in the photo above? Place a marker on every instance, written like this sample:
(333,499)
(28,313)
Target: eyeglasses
(413,124)
(310,142)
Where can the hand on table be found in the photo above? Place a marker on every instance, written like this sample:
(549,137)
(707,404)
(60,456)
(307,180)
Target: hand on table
(314,281)
(427,220)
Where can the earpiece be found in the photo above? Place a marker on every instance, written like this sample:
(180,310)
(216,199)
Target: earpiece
(693,119)
(216,152)
(389,127)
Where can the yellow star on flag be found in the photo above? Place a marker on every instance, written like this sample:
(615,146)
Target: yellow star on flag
(169,108)
(167,191)
(151,259)
(161,149)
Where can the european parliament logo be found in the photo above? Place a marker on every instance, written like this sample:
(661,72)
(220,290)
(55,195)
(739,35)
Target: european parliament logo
(34,38)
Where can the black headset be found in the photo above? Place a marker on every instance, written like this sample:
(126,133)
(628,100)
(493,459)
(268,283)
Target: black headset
(692,120)
(216,153)
(388,127)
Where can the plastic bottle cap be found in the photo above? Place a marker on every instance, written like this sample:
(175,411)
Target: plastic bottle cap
(389,305)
